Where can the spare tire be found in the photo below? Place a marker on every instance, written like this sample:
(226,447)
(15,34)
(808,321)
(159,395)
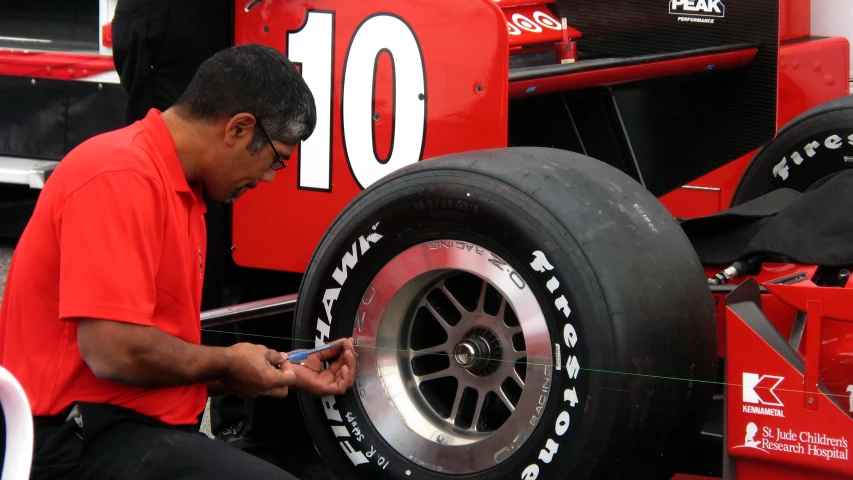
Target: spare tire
(520,313)
(807,152)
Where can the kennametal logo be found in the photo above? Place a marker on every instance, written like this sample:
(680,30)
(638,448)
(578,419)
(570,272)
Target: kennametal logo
(698,8)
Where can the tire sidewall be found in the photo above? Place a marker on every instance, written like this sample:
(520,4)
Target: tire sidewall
(421,208)
(806,152)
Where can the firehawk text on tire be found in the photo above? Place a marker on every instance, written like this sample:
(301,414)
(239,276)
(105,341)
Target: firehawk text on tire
(520,313)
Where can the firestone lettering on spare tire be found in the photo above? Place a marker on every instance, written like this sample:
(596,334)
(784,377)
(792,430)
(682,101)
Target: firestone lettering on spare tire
(832,142)
(541,264)
(339,275)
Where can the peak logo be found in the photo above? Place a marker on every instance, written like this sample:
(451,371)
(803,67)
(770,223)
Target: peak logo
(697,11)
(698,8)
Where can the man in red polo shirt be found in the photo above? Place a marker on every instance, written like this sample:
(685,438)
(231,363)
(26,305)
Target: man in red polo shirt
(100,316)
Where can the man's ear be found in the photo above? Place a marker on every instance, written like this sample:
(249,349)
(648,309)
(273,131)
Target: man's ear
(240,129)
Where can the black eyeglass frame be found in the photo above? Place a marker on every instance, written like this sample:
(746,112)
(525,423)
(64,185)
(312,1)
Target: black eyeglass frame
(278,163)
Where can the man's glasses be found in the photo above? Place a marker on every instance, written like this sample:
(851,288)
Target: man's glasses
(278,163)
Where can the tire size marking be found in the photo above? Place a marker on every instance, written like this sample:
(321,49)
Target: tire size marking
(313,47)
(348,262)
(356,456)
(541,264)
(438,204)
(355,430)
(380,459)
(833,142)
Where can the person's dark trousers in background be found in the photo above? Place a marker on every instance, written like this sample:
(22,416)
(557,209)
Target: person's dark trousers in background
(159,44)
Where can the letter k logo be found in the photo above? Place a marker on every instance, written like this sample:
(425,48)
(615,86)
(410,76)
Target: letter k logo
(759,389)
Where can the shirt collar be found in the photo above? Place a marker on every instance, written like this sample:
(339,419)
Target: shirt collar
(165,145)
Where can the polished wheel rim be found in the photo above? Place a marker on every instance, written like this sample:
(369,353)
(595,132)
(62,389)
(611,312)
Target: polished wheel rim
(454,359)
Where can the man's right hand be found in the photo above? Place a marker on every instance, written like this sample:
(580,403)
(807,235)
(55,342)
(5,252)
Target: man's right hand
(252,371)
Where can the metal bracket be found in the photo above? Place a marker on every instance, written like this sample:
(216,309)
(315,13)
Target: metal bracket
(248,311)
(813,334)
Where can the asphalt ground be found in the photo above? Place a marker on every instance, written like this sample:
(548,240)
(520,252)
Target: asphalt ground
(5,258)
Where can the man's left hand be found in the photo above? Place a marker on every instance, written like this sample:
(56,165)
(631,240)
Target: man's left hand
(335,380)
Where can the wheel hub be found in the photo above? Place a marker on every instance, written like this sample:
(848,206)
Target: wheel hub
(467,353)
(480,352)
(454,357)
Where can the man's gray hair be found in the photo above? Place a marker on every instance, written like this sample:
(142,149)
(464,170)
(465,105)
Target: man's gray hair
(254,79)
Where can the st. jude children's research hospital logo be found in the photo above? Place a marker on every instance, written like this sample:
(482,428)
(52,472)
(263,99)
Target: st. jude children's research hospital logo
(769,439)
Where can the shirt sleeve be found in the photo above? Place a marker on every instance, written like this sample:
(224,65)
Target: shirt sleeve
(110,238)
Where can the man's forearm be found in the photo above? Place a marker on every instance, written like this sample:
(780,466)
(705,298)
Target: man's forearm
(217,388)
(140,355)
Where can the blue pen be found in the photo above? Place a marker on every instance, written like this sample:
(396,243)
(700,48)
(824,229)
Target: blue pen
(300,355)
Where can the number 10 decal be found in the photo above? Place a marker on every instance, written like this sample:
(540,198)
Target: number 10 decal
(312,46)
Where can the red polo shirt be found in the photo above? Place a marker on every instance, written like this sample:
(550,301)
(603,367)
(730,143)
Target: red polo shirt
(117,235)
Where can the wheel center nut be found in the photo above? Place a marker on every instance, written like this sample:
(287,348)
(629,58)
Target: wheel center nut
(465,354)
(473,353)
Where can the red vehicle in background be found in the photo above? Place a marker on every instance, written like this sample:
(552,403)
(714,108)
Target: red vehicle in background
(573,239)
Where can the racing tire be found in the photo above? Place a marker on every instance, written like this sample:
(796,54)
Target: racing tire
(806,153)
(519,313)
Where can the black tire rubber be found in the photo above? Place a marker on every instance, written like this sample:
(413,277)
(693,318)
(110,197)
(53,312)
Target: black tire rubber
(829,125)
(639,303)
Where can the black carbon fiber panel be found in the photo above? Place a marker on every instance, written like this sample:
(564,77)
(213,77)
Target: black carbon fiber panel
(684,127)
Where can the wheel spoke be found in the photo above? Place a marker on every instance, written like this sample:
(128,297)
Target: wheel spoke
(453,300)
(511,356)
(481,300)
(506,401)
(432,376)
(456,402)
(438,349)
(502,310)
(447,327)
(513,330)
(481,399)
(517,378)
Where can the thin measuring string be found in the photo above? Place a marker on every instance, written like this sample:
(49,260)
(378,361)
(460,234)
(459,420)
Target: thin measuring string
(612,372)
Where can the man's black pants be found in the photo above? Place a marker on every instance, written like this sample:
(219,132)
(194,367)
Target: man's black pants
(117,443)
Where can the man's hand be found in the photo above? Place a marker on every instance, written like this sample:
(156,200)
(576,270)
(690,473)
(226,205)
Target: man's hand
(335,380)
(252,371)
